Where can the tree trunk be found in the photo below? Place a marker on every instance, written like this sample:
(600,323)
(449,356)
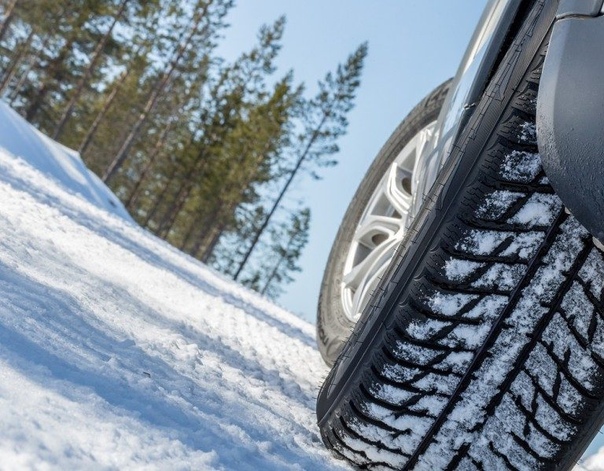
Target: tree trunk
(166,188)
(99,117)
(277,202)
(209,249)
(275,269)
(30,64)
(34,107)
(160,198)
(8,18)
(16,60)
(187,238)
(181,197)
(206,228)
(171,215)
(88,72)
(132,199)
(206,244)
(122,153)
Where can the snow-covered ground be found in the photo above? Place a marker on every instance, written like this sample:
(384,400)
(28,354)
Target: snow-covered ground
(119,352)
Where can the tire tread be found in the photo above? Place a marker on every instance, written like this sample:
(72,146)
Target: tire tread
(534,379)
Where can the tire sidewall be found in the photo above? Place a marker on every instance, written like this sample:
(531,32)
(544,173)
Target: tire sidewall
(333,325)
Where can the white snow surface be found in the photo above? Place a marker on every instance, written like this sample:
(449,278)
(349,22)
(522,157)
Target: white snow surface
(54,160)
(119,352)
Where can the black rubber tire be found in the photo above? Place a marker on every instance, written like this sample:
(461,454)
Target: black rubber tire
(484,350)
(333,326)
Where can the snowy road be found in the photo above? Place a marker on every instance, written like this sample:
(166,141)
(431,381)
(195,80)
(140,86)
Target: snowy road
(119,352)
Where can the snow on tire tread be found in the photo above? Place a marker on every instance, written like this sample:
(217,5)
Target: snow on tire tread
(504,354)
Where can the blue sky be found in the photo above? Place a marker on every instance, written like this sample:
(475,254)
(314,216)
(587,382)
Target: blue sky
(414,45)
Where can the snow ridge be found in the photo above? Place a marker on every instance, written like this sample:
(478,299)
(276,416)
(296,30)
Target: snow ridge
(119,352)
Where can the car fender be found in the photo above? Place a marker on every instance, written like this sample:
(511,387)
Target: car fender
(570,111)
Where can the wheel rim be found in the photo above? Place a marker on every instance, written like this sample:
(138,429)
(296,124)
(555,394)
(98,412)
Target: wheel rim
(381,227)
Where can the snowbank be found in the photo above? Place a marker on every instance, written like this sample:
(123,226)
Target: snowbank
(54,160)
(119,352)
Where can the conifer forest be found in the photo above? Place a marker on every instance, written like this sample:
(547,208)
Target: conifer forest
(201,150)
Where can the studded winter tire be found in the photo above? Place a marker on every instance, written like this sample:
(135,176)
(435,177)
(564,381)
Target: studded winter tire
(483,347)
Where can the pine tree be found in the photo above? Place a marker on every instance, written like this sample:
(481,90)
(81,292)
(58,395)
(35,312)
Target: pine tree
(33,59)
(158,148)
(227,252)
(133,62)
(280,255)
(201,150)
(84,79)
(247,161)
(202,27)
(230,101)
(288,253)
(77,33)
(40,25)
(324,122)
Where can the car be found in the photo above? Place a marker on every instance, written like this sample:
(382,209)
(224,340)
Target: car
(462,306)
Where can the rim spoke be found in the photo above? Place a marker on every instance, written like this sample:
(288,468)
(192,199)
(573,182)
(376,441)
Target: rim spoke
(363,278)
(396,190)
(381,228)
(362,296)
(376,229)
(353,279)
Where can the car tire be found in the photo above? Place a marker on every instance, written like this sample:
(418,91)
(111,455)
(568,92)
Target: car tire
(484,347)
(334,325)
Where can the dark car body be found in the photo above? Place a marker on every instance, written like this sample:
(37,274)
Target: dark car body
(570,105)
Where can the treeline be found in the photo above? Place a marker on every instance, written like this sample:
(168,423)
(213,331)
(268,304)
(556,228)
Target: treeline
(201,150)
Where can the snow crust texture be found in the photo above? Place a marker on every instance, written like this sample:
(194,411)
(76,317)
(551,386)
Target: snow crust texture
(119,352)
(493,357)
